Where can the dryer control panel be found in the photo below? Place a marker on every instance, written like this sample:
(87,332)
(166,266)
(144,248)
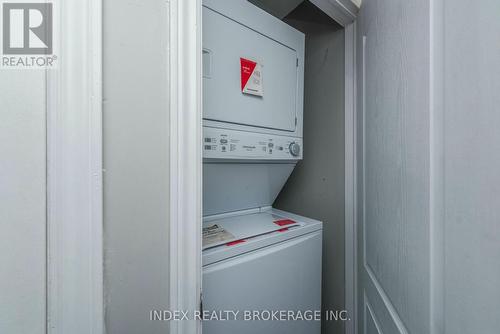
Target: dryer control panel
(233,144)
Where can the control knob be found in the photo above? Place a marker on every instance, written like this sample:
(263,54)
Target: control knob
(295,149)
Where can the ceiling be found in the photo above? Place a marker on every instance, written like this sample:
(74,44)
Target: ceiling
(278,8)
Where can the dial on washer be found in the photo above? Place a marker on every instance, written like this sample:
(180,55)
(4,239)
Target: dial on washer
(294,149)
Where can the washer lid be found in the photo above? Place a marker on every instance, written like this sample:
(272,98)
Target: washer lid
(233,230)
(252,230)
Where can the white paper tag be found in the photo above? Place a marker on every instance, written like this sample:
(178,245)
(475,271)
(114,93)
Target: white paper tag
(215,234)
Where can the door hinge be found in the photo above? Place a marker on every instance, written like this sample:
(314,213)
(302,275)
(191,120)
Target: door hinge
(295,121)
(297,62)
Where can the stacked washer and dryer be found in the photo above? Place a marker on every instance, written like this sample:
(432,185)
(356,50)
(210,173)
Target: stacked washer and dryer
(255,257)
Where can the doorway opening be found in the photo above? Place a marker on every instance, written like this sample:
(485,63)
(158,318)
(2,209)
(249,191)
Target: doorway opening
(246,194)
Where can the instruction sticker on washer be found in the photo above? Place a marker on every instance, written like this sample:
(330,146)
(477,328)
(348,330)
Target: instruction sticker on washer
(215,234)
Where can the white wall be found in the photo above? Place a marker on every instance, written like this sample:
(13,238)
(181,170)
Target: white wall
(22,201)
(136,162)
(471,167)
(316,187)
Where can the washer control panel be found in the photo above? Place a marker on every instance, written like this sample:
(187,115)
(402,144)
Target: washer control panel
(233,144)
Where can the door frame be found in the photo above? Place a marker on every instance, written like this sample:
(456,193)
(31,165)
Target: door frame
(75,298)
(351,188)
(185,73)
(186,165)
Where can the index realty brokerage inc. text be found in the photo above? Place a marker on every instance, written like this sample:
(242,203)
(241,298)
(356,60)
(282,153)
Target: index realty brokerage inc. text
(249,315)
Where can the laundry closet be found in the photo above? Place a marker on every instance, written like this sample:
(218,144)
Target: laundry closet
(400,108)
(273,163)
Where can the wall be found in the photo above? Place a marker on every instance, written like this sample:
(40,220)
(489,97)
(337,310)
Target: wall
(22,201)
(136,151)
(471,142)
(316,187)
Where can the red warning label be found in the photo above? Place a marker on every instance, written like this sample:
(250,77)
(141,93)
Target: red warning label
(251,77)
(285,222)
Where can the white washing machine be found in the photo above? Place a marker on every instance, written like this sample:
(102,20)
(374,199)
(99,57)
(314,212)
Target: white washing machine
(271,262)
(255,258)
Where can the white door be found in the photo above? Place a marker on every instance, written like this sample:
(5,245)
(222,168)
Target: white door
(429,82)
(394,256)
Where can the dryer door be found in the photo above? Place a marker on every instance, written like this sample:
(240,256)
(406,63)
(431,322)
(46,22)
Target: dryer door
(248,78)
(283,277)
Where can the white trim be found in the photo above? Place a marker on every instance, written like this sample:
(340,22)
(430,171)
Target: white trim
(343,12)
(185,161)
(74,168)
(350,179)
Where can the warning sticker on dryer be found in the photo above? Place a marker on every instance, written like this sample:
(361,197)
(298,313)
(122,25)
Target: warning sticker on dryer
(215,234)
(251,77)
